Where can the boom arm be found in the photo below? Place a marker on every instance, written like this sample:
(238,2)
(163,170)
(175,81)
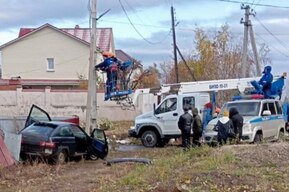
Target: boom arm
(215,85)
(201,86)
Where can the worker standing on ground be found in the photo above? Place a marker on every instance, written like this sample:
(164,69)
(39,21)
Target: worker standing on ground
(197,128)
(207,114)
(185,125)
(225,128)
(237,120)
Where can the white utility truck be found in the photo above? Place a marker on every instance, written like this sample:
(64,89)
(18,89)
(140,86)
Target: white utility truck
(157,127)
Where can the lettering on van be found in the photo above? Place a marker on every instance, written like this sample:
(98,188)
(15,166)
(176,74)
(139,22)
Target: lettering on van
(216,86)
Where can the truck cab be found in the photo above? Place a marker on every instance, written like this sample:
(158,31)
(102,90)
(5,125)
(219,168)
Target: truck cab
(157,127)
(263,120)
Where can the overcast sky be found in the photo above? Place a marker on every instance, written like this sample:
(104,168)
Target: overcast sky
(143,30)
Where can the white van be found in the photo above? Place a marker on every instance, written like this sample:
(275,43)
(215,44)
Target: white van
(157,127)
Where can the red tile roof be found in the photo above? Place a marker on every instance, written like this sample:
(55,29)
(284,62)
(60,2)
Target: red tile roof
(103,35)
(123,56)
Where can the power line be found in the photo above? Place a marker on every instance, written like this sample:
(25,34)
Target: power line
(150,42)
(134,11)
(285,46)
(276,49)
(257,4)
(182,28)
(139,24)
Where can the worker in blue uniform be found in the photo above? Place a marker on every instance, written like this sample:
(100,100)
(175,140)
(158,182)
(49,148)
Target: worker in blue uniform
(108,65)
(266,81)
(264,84)
(125,67)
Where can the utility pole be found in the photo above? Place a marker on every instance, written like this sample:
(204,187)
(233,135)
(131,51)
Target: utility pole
(174,45)
(254,48)
(248,28)
(245,41)
(91,90)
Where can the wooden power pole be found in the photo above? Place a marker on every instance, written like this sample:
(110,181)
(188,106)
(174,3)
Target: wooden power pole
(175,45)
(248,28)
(91,90)
(245,41)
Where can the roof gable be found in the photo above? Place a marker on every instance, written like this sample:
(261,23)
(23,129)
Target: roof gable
(103,35)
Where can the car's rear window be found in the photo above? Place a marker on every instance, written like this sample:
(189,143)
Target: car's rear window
(40,129)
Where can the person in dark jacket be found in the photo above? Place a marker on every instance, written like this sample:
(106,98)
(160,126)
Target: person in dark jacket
(225,128)
(197,128)
(185,125)
(237,120)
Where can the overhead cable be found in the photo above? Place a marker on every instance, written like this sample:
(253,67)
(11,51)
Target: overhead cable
(148,41)
(277,39)
(257,4)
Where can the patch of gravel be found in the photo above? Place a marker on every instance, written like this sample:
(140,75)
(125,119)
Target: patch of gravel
(276,153)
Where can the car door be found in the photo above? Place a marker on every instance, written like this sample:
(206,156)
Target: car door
(168,115)
(265,123)
(65,139)
(273,120)
(36,114)
(99,143)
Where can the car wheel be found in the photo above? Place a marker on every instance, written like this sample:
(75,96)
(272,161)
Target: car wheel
(61,157)
(149,138)
(281,135)
(258,138)
(93,157)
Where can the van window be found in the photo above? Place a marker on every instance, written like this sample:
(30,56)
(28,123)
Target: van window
(168,105)
(189,102)
(272,108)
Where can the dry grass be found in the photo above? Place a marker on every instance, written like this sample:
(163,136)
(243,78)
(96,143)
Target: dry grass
(262,167)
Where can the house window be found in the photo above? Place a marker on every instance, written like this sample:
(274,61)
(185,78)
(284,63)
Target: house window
(50,64)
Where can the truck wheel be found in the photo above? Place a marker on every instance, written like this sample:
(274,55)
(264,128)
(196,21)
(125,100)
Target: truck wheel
(149,138)
(258,138)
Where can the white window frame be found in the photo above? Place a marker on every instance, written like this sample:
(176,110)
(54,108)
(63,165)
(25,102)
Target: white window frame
(49,67)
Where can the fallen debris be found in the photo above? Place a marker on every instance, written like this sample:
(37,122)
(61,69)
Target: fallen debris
(123,160)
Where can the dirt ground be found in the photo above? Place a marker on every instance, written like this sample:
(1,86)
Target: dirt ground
(248,167)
